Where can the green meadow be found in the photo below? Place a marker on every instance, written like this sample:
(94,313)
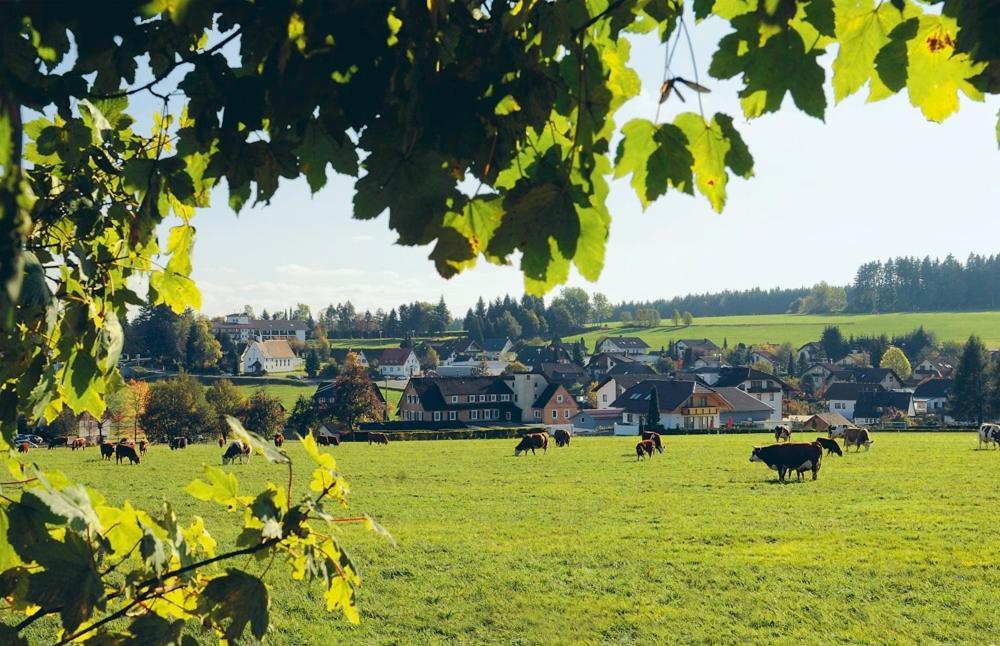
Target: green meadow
(586,545)
(799,329)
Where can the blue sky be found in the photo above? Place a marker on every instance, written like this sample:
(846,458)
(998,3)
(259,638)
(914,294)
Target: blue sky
(875,180)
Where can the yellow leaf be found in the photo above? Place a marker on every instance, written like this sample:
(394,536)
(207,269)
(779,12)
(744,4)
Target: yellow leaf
(936,72)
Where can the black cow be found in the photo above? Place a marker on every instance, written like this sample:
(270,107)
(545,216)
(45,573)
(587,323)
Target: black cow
(562,437)
(532,441)
(58,441)
(107,451)
(236,451)
(831,446)
(792,456)
(142,447)
(328,440)
(178,443)
(125,451)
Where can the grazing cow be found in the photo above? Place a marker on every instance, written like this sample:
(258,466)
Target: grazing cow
(644,446)
(857,437)
(782,432)
(126,451)
(327,440)
(78,443)
(142,447)
(788,457)
(837,431)
(532,441)
(378,438)
(236,451)
(831,446)
(989,434)
(562,437)
(279,439)
(178,443)
(57,441)
(107,450)
(222,441)
(654,438)
(23,447)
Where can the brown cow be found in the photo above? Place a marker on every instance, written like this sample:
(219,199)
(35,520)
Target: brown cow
(378,438)
(126,451)
(142,447)
(78,443)
(857,437)
(237,450)
(23,447)
(222,441)
(532,441)
(279,439)
(327,440)
(107,450)
(644,446)
(655,438)
(562,437)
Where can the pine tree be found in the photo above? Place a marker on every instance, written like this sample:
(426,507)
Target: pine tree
(791,365)
(312,363)
(653,414)
(994,392)
(968,397)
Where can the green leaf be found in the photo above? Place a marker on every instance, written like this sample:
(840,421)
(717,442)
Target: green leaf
(240,599)
(153,551)
(714,146)
(218,486)
(657,157)
(936,73)
(68,580)
(71,504)
(173,285)
(80,384)
(151,628)
(862,28)
(112,341)
(318,149)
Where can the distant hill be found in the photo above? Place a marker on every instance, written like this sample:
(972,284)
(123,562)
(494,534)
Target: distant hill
(800,329)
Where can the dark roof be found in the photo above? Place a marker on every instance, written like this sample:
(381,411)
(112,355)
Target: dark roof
(562,372)
(865,375)
(707,344)
(811,344)
(849,391)
(671,395)
(435,392)
(340,354)
(395,356)
(627,381)
(534,355)
(325,390)
(734,376)
(495,344)
(832,368)
(742,402)
(631,368)
(873,404)
(461,345)
(633,342)
(933,388)
(602,414)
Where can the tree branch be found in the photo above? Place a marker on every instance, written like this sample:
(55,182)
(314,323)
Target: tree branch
(585,26)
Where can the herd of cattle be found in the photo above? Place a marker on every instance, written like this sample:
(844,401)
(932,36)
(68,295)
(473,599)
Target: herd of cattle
(784,456)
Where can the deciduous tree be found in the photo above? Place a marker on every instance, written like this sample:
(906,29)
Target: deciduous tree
(897,361)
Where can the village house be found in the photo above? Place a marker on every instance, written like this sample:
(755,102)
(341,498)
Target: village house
(933,368)
(325,397)
(498,349)
(555,408)
(398,363)
(611,388)
(698,347)
(269,357)
(842,396)
(240,328)
(596,420)
(340,355)
(629,346)
(459,349)
(872,406)
(855,360)
(762,386)
(567,374)
(683,404)
(743,409)
(885,377)
(823,422)
(931,398)
(810,352)
(817,376)
(471,400)
(533,356)
(767,358)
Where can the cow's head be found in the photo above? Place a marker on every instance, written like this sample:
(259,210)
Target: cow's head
(755,455)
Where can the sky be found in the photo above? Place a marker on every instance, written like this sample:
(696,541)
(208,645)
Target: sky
(873,181)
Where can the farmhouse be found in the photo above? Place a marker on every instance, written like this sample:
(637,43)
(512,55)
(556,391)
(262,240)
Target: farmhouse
(885,377)
(940,367)
(596,420)
(555,408)
(611,388)
(498,349)
(841,397)
(698,347)
(931,397)
(325,396)
(623,345)
(743,409)
(340,355)
(240,328)
(767,358)
(810,352)
(534,355)
(818,376)
(270,357)
(761,385)
(683,404)
(872,406)
(471,400)
(398,363)
(823,422)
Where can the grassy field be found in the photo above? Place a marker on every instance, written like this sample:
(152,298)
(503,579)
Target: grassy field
(800,329)
(287,393)
(585,545)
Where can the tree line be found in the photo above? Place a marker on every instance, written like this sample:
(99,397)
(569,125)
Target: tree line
(906,284)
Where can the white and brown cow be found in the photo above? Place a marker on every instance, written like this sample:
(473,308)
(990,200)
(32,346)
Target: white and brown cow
(857,437)
(989,434)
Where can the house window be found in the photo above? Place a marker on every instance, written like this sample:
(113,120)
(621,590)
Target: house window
(772,396)
(472,398)
(566,413)
(454,399)
(508,416)
(473,414)
(482,398)
(538,414)
(451,415)
(559,398)
(604,397)
(505,398)
(493,398)
(555,414)
(437,416)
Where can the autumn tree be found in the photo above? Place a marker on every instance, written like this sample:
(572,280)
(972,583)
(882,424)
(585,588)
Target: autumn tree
(176,407)
(135,396)
(226,400)
(263,414)
(897,361)
(354,398)
(415,101)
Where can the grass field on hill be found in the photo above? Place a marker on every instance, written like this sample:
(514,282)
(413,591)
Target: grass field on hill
(288,394)
(585,545)
(800,329)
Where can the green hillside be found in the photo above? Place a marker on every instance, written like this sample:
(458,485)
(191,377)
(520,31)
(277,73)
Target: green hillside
(801,328)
